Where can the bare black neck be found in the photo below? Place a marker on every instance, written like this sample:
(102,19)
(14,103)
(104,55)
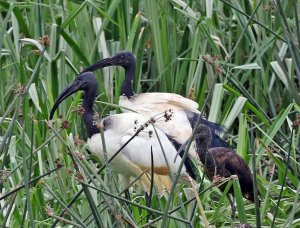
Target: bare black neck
(88,102)
(127,88)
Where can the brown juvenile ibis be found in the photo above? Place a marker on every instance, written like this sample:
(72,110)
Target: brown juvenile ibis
(222,162)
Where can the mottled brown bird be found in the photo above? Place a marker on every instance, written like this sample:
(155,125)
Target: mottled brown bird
(223,162)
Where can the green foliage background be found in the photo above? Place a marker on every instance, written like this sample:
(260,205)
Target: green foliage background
(245,52)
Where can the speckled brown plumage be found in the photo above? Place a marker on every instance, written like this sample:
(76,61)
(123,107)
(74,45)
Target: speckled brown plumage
(223,162)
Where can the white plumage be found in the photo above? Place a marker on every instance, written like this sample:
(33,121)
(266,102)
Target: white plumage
(135,158)
(151,104)
(185,111)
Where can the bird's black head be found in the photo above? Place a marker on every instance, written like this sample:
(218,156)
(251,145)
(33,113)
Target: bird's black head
(125,59)
(203,134)
(85,81)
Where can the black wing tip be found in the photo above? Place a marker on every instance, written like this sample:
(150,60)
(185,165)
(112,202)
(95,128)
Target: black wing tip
(216,129)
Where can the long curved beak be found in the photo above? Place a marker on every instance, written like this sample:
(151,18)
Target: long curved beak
(112,61)
(69,90)
(122,58)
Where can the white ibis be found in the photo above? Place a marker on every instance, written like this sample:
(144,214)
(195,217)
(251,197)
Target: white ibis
(223,162)
(135,158)
(185,111)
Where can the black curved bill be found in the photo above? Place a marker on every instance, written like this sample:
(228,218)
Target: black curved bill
(69,90)
(120,59)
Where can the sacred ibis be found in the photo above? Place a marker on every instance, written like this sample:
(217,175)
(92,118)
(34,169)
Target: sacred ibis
(135,158)
(150,104)
(222,162)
